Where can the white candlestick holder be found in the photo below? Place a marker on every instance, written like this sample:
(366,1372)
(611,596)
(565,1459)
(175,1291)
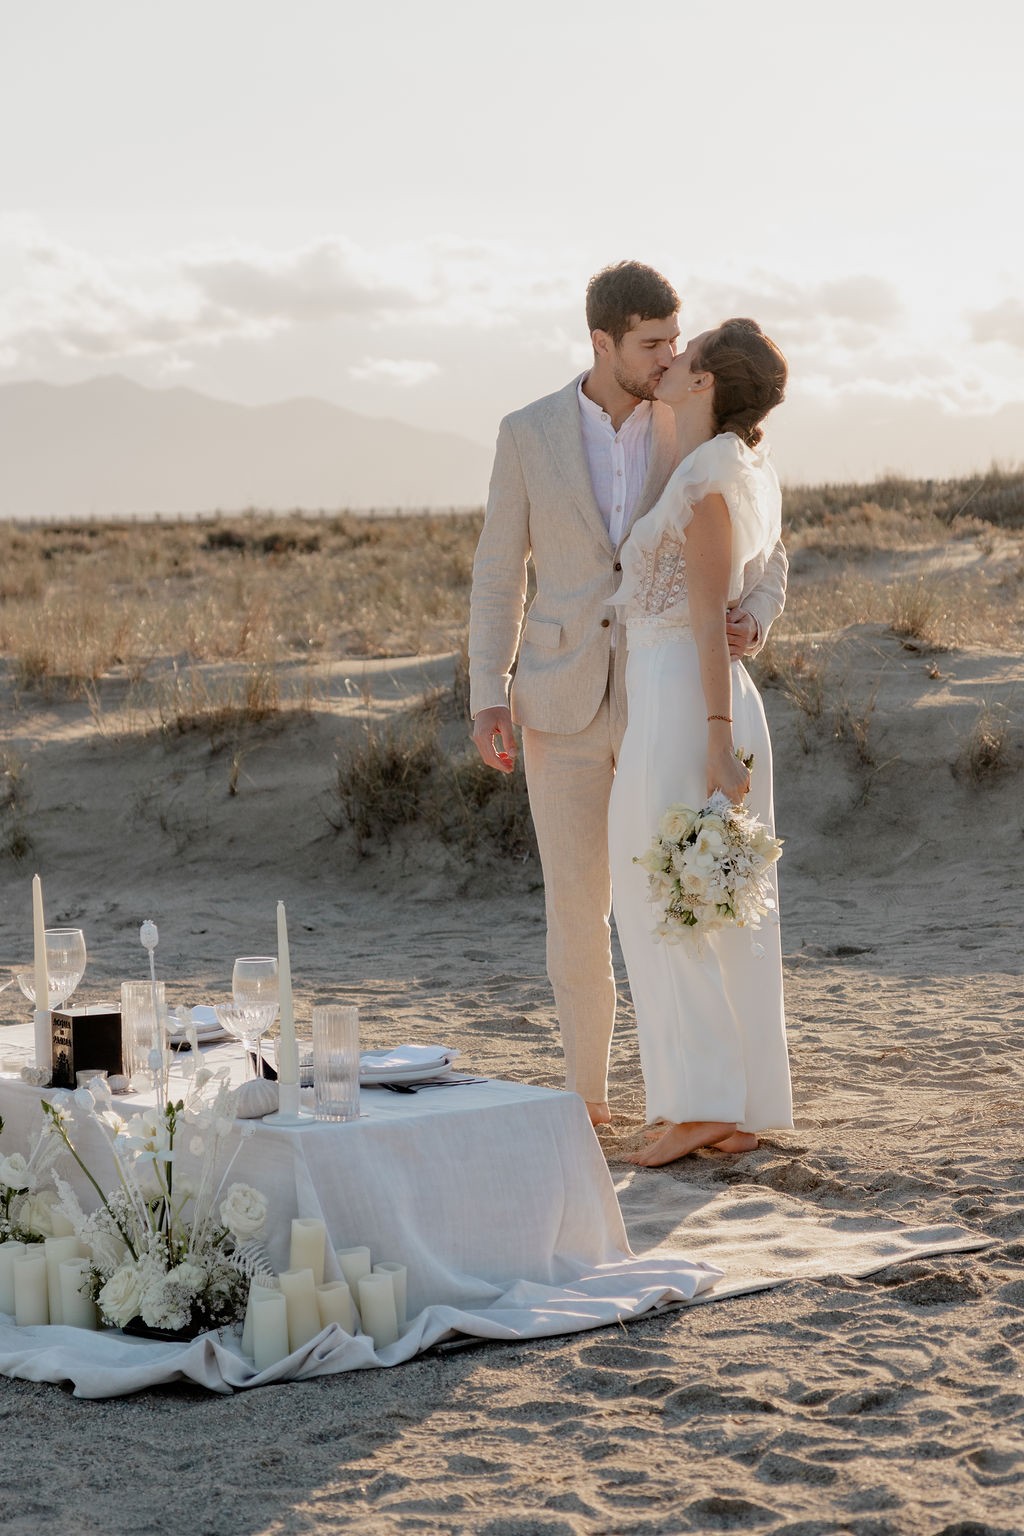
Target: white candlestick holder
(290,1112)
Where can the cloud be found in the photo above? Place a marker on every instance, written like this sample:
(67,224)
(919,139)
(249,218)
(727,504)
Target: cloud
(333,278)
(1003,322)
(403,371)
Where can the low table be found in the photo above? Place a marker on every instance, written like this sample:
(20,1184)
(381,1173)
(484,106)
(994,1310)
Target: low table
(494,1195)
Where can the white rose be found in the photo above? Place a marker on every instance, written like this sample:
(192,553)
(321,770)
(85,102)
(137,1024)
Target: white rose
(243,1211)
(35,1214)
(192,1276)
(14,1172)
(677,823)
(121,1297)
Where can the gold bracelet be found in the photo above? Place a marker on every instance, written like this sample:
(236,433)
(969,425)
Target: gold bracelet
(726,718)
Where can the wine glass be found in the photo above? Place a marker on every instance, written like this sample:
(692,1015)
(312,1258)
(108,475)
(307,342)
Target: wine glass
(254,980)
(248,1022)
(255,991)
(65,967)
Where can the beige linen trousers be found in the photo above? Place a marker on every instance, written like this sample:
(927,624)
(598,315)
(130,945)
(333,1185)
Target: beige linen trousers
(568,694)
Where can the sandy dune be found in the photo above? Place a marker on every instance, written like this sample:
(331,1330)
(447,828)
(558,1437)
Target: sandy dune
(891,1406)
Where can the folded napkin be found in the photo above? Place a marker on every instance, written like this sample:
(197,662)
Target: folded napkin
(405,1058)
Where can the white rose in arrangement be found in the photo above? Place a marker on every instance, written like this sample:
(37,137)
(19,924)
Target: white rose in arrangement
(35,1214)
(121,1297)
(677,823)
(244,1211)
(14,1172)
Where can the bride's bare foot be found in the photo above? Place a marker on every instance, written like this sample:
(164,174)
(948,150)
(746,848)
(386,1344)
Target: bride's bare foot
(599,1112)
(739,1141)
(680,1140)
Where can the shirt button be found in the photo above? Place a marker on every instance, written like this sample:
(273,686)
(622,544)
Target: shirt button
(619,473)
(605,623)
(617,566)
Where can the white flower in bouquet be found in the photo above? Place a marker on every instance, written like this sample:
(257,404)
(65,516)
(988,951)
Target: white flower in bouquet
(709,869)
(14,1172)
(163,1247)
(35,1214)
(244,1212)
(120,1297)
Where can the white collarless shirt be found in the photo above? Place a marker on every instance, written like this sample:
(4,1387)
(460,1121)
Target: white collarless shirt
(617,460)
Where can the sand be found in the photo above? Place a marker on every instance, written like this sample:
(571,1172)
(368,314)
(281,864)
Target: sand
(886,1406)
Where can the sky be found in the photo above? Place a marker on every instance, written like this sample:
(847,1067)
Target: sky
(396,207)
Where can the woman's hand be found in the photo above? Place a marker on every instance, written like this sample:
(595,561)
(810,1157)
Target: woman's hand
(728,773)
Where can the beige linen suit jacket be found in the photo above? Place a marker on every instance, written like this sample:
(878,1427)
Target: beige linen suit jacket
(541,505)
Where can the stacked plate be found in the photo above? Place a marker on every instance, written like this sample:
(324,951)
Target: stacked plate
(208,1028)
(404,1064)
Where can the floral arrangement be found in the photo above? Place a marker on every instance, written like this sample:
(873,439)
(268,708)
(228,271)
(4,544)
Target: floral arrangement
(171,1248)
(708,869)
(26,1208)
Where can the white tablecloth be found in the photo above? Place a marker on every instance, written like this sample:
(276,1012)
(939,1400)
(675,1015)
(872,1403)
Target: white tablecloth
(496,1196)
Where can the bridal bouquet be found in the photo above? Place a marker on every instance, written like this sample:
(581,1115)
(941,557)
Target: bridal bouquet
(172,1252)
(708,869)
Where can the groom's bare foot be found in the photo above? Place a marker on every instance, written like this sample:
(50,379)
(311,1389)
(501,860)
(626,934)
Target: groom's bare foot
(680,1140)
(739,1141)
(599,1112)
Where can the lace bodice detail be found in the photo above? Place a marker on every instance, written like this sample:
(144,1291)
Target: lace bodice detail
(652,599)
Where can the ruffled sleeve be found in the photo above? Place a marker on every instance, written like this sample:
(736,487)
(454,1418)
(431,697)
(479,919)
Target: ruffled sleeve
(743,476)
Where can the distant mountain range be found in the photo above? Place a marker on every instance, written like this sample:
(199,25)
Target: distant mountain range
(110,447)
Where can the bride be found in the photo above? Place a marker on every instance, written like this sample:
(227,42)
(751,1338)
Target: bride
(711,1028)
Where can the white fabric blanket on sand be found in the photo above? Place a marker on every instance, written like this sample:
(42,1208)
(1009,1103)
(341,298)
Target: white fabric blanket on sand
(744,1240)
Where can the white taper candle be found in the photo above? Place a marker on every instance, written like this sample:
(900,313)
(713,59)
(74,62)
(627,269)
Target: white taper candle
(288,1055)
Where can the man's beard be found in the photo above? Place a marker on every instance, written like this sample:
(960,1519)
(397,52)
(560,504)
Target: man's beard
(641,389)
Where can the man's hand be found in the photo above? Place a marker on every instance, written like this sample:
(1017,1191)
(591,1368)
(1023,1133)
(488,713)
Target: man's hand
(741,632)
(495,739)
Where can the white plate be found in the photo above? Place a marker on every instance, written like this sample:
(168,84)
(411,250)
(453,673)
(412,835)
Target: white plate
(404,1074)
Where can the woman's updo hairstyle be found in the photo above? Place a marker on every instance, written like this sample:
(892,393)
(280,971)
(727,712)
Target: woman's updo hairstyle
(750,377)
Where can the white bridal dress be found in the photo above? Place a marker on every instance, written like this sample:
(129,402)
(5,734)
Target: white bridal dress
(712,1028)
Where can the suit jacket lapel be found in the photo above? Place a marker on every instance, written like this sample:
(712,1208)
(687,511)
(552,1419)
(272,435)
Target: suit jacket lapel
(565,438)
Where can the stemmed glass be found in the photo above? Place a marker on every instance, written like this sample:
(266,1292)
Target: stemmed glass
(254,990)
(65,967)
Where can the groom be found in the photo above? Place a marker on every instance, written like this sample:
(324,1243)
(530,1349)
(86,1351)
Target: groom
(572,472)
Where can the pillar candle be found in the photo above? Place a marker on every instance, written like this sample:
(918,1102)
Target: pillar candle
(354,1264)
(335,1304)
(399,1276)
(257,1293)
(8,1253)
(303,1315)
(377,1309)
(269,1330)
(41,1016)
(309,1241)
(57,1249)
(31,1303)
(78,1309)
(288,1055)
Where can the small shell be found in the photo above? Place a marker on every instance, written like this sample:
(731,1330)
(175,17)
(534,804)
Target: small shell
(259,1096)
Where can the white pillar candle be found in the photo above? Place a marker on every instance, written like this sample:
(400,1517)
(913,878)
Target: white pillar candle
(354,1264)
(269,1330)
(79,1310)
(257,1293)
(8,1253)
(62,1225)
(399,1275)
(309,1242)
(57,1249)
(31,1303)
(288,1054)
(41,1016)
(377,1309)
(335,1304)
(303,1314)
